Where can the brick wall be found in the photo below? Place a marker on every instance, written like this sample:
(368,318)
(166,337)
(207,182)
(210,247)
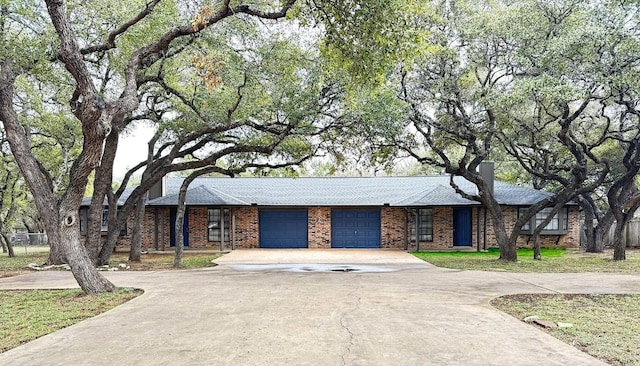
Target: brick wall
(569,240)
(125,240)
(443,231)
(393,228)
(247,234)
(198,231)
(149,239)
(319,227)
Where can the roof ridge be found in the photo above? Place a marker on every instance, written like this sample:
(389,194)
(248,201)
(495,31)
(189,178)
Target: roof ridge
(415,195)
(217,191)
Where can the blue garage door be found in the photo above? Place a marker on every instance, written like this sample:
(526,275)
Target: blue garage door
(355,228)
(283,228)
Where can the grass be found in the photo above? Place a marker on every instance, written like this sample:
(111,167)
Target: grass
(29,314)
(164,261)
(18,264)
(150,262)
(605,326)
(554,260)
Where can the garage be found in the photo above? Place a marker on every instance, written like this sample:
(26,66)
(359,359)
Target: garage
(283,229)
(355,228)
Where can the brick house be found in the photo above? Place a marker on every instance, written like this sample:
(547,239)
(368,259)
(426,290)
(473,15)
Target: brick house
(406,213)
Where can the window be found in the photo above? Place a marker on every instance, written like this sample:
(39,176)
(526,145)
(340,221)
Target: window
(527,226)
(83,221)
(424,224)
(559,224)
(218,224)
(105,220)
(541,216)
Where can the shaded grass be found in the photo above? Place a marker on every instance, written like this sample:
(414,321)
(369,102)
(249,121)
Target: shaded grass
(164,261)
(605,326)
(29,314)
(554,260)
(150,262)
(18,264)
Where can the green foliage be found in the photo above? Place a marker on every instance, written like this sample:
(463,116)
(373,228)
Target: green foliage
(369,38)
(267,81)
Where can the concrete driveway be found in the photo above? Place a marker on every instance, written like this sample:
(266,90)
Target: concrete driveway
(257,312)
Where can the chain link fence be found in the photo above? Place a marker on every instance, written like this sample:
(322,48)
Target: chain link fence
(31,242)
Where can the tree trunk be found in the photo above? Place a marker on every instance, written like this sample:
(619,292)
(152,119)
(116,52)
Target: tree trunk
(101,184)
(601,232)
(536,247)
(89,279)
(7,246)
(589,229)
(10,249)
(56,249)
(177,262)
(507,244)
(117,219)
(619,245)
(108,247)
(136,237)
(601,236)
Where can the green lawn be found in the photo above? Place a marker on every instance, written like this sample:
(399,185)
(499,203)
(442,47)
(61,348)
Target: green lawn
(553,260)
(605,326)
(18,264)
(29,314)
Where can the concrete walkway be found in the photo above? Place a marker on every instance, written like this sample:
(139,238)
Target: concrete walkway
(248,312)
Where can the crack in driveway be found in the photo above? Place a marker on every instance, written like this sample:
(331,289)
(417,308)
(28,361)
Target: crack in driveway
(345,326)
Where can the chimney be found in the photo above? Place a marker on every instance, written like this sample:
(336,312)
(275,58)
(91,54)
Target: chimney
(159,189)
(487,172)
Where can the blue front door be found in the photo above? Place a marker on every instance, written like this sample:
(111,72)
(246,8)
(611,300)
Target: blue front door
(283,228)
(462,226)
(355,228)
(185,226)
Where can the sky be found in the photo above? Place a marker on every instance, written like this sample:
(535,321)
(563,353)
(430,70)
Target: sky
(132,149)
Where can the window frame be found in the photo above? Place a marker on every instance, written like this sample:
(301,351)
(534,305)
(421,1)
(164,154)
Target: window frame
(104,229)
(218,224)
(561,218)
(422,227)
(104,220)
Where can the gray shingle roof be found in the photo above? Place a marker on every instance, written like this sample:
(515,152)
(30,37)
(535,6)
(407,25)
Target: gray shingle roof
(123,198)
(333,191)
(201,196)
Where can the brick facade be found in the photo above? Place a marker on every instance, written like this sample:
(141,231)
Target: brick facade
(443,231)
(246,231)
(319,227)
(569,240)
(394,230)
(393,222)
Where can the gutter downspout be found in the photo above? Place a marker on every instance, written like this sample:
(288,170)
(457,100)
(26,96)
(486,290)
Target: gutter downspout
(233,232)
(156,223)
(477,229)
(222,236)
(415,223)
(484,216)
(406,229)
